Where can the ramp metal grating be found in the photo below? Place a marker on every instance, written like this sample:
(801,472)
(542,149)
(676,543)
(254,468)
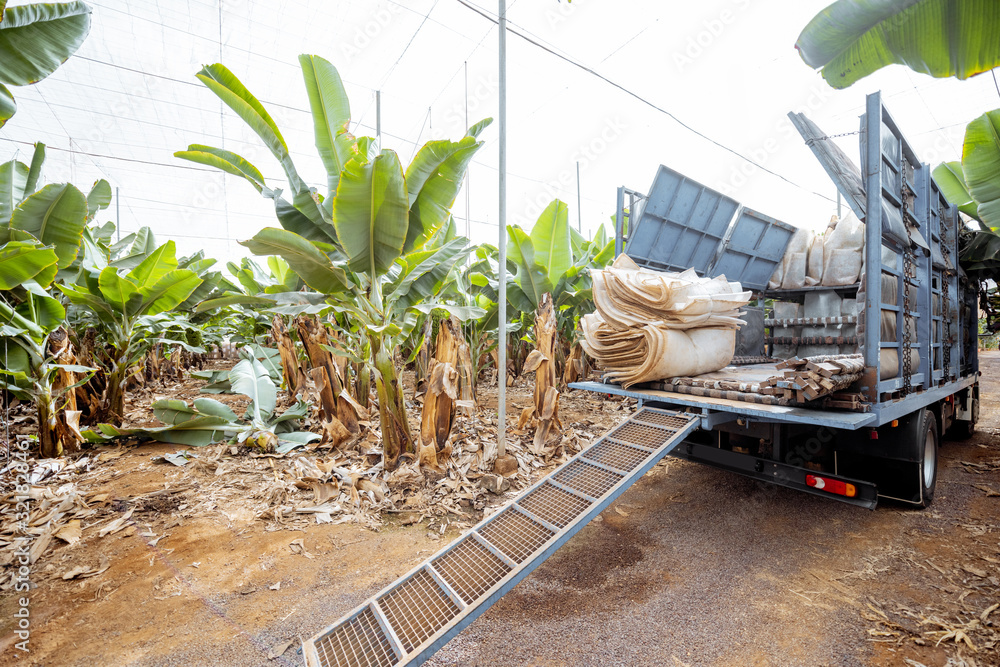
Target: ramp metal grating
(554,505)
(417,609)
(617,455)
(515,535)
(587,478)
(471,569)
(412,618)
(644,435)
(360,641)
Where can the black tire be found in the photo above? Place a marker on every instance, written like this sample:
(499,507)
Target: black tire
(928,443)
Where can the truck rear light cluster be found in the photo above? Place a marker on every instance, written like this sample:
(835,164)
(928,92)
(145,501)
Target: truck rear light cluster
(831,485)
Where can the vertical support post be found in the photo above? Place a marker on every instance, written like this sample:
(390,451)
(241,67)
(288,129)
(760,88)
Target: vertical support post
(468,186)
(873,238)
(579,208)
(502,306)
(378,117)
(620,221)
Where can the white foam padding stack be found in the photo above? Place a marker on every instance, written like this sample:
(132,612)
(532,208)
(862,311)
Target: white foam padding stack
(652,325)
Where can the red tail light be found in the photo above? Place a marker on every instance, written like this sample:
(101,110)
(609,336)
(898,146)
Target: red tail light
(832,485)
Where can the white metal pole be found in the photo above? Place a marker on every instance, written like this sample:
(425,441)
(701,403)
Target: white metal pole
(468,186)
(378,117)
(502,340)
(579,209)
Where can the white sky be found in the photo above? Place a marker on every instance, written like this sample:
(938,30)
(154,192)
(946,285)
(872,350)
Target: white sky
(728,68)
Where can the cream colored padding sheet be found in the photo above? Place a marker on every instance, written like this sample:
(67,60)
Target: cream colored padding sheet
(653,325)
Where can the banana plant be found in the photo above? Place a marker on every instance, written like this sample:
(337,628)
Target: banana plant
(31,367)
(124,304)
(366,241)
(34,41)
(207,421)
(974,183)
(554,259)
(40,236)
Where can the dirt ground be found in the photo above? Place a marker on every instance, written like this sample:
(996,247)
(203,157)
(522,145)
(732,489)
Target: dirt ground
(692,566)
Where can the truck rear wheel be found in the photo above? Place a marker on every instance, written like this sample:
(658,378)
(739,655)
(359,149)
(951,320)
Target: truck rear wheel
(928,442)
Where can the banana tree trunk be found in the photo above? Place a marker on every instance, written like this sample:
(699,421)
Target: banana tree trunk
(396,438)
(314,337)
(422,367)
(294,378)
(442,385)
(50,446)
(543,361)
(363,384)
(114,396)
(575,367)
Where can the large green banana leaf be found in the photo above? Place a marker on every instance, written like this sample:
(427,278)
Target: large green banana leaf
(228,162)
(13,179)
(551,240)
(40,308)
(21,261)
(850,39)
(8,107)
(530,276)
(35,171)
(370,213)
(167,292)
(237,97)
(426,273)
(80,296)
(315,268)
(115,289)
(951,179)
(433,181)
(294,220)
(55,215)
(232,300)
(250,377)
(331,112)
(157,264)
(36,39)
(99,198)
(981,166)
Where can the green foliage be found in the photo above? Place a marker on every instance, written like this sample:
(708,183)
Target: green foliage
(207,421)
(851,39)
(129,306)
(34,41)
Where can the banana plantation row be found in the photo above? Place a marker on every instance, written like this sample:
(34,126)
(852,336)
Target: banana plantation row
(360,279)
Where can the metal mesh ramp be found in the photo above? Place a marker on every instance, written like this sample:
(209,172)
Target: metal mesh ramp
(410,620)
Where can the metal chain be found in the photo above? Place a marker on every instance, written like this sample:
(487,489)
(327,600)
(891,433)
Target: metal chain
(945,299)
(811,140)
(908,272)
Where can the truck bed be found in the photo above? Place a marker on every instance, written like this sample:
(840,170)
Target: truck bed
(754,373)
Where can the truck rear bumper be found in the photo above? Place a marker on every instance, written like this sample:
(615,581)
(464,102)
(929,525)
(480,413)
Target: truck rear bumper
(774,472)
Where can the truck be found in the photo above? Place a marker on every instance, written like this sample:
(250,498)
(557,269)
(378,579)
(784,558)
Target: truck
(884,442)
(915,330)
